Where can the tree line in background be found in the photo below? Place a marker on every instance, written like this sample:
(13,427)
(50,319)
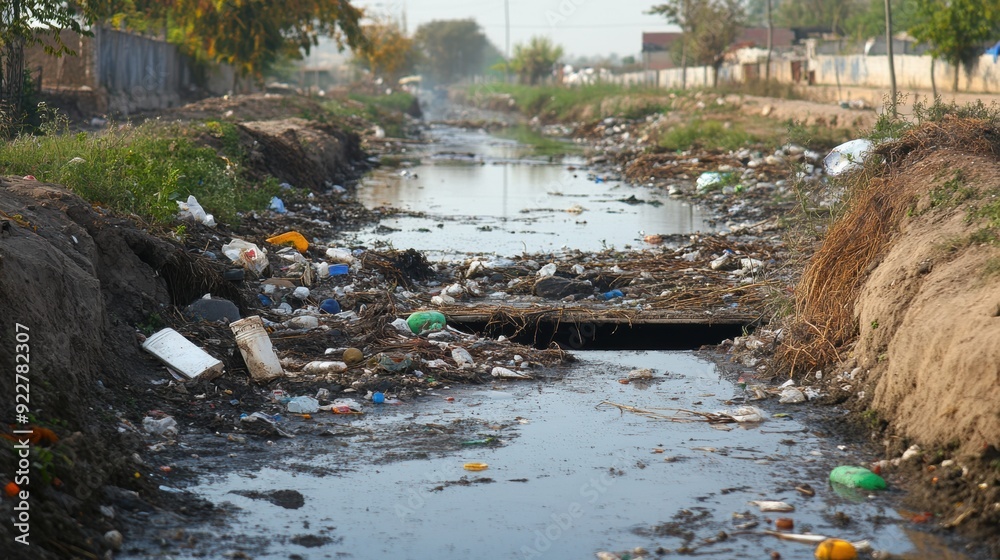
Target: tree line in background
(256,35)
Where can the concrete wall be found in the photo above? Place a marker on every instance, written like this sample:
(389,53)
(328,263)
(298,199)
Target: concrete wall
(122,73)
(66,71)
(913,72)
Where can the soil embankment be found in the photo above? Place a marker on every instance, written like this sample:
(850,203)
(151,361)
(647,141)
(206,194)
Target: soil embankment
(905,290)
(76,280)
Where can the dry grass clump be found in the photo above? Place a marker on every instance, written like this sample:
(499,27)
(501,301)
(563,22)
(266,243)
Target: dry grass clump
(875,206)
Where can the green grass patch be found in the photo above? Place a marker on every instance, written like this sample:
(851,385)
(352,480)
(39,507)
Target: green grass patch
(564,103)
(992,267)
(705,134)
(387,111)
(952,192)
(818,137)
(762,88)
(539,143)
(397,101)
(988,210)
(142,170)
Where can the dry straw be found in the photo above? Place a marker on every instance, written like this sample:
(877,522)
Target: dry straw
(828,290)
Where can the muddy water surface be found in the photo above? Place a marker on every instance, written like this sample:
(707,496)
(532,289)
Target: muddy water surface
(473,192)
(566,477)
(567,474)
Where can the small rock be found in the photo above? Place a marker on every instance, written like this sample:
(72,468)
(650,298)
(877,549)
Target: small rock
(913,451)
(213,309)
(556,287)
(114,539)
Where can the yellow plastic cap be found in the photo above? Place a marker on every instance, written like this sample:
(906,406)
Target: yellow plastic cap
(476,466)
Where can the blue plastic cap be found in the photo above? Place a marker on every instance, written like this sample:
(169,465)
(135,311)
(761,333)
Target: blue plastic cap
(330,306)
(378,398)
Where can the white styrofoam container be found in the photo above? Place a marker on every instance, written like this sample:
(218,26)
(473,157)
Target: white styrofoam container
(171,348)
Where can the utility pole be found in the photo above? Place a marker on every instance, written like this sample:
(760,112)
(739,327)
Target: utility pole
(506,51)
(684,44)
(888,48)
(770,46)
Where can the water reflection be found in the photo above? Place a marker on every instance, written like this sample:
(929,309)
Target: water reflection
(506,203)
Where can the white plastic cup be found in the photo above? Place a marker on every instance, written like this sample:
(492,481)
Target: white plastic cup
(255,345)
(171,348)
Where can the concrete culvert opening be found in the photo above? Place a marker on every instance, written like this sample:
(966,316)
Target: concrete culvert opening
(613,336)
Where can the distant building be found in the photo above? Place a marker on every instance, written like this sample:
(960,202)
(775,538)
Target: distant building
(656,47)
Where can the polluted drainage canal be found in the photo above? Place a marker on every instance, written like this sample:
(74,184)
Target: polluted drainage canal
(557,469)
(636,453)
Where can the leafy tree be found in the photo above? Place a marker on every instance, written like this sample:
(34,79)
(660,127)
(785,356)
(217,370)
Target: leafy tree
(956,29)
(709,27)
(534,60)
(388,53)
(869,20)
(25,23)
(827,14)
(451,49)
(252,34)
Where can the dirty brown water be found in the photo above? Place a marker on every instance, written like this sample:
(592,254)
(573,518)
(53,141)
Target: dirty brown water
(566,477)
(473,192)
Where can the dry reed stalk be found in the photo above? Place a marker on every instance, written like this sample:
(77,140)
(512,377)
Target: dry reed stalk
(876,205)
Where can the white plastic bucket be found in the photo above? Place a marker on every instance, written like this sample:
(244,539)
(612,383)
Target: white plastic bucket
(171,348)
(255,345)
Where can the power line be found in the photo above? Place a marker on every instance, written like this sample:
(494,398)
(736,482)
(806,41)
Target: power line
(591,26)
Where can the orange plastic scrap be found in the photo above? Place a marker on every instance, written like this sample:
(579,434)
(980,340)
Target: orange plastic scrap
(292,237)
(38,435)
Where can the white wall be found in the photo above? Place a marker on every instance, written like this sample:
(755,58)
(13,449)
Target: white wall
(912,73)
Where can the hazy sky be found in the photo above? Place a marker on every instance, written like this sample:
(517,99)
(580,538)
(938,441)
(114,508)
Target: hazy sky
(582,27)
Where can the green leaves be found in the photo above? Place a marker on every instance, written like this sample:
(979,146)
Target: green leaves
(451,48)
(534,60)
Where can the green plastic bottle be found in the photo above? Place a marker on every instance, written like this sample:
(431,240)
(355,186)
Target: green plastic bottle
(424,321)
(857,477)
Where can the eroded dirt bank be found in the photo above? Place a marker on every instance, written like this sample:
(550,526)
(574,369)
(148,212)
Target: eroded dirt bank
(77,286)
(905,292)
(77,281)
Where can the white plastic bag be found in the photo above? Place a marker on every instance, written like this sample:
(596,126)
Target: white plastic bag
(165,426)
(709,179)
(546,271)
(192,210)
(246,254)
(339,255)
(462,357)
(847,157)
